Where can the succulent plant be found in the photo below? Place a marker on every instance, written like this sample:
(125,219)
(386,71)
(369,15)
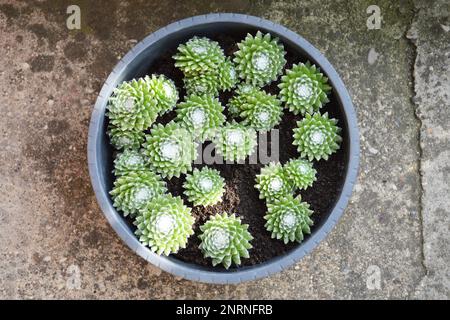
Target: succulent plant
(134,189)
(170,149)
(227,75)
(258,109)
(317,136)
(300,172)
(133,106)
(239,97)
(200,115)
(235,141)
(288,219)
(304,88)
(164,91)
(164,224)
(129,160)
(205,83)
(204,187)
(272,182)
(125,139)
(225,240)
(198,55)
(223,77)
(260,59)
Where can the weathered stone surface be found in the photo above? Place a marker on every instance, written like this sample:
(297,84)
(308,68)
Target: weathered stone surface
(430,33)
(55,241)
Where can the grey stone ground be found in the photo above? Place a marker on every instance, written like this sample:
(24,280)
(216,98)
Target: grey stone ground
(55,241)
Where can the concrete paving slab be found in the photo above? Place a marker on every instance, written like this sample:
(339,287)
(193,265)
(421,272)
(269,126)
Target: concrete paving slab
(393,239)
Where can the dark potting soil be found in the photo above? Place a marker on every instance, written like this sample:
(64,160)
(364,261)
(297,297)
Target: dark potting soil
(240,195)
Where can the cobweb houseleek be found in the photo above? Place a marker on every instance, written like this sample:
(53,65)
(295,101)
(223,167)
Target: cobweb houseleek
(317,136)
(304,89)
(133,190)
(164,224)
(300,172)
(204,187)
(132,106)
(259,59)
(170,150)
(235,141)
(225,240)
(288,219)
(272,182)
(201,115)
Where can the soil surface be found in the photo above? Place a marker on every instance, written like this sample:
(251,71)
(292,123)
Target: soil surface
(241,197)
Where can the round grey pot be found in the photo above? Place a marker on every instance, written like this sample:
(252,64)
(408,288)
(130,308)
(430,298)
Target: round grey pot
(136,63)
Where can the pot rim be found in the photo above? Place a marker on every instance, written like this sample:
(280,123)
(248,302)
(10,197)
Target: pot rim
(195,272)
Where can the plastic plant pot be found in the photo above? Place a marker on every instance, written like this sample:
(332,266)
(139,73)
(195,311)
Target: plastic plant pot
(135,64)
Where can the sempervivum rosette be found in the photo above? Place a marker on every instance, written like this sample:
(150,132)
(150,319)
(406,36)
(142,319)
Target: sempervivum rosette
(164,92)
(300,172)
(304,88)
(129,160)
(170,149)
(239,97)
(198,55)
(132,105)
(207,83)
(258,109)
(288,219)
(204,187)
(134,189)
(125,139)
(225,240)
(317,136)
(227,75)
(260,59)
(272,182)
(164,224)
(235,141)
(200,115)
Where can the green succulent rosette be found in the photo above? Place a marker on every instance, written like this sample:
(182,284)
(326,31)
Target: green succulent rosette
(204,187)
(132,106)
(200,115)
(272,182)
(300,172)
(235,141)
(164,92)
(225,240)
(125,139)
(227,75)
(170,149)
(288,219)
(198,55)
(205,83)
(317,136)
(304,89)
(260,59)
(164,224)
(129,160)
(238,99)
(258,109)
(134,189)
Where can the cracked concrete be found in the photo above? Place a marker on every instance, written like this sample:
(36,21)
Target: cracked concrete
(430,34)
(56,243)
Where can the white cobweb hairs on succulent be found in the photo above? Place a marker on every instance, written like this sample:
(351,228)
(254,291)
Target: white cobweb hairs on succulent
(170,150)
